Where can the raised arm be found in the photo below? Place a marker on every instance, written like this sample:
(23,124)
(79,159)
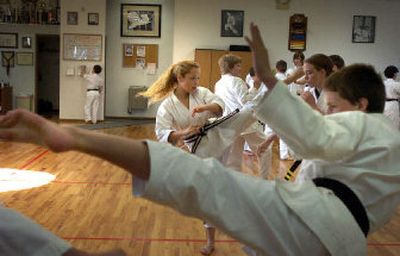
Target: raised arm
(260,57)
(24,126)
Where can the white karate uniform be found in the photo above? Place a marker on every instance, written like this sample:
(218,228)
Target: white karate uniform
(320,101)
(235,94)
(280,217)
(283,148)
(172,115)
(392,88)
(294,87)
(94,85)
(21,236)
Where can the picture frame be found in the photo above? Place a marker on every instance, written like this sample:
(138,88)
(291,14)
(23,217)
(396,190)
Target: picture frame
(232,22)
(25,58)
(93,18)
(8,40)
(140,20)
(363,29)
(82,47)
(72,18)
(26,42)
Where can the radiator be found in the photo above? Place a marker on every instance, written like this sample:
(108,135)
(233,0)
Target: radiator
(136,102)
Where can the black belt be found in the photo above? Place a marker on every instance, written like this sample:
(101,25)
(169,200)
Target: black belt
(196,138)
(392,100)
(88,90)
(349,198)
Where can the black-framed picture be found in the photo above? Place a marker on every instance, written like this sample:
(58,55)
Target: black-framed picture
(141,20)
(26,42)
(232,23)
(363,29)
(93,18)
(72,18)
(8,40)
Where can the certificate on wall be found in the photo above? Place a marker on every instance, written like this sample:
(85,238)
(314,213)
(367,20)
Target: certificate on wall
(82,47)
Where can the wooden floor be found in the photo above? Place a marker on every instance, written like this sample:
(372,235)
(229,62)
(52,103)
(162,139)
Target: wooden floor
(90,204)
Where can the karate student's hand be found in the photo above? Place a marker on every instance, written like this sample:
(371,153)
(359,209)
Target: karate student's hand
(260,57)
(189,131)
(265,145)
(23,126)
(309,98)
(199,109)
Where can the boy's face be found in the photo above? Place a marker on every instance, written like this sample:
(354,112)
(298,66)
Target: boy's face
(336,104)
(235,71)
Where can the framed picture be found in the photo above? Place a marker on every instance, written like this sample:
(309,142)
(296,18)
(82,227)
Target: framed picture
(141,20)
(363,29)
(232,23)
(93,19)
(26,42)
(84,47)
(25,58)
(72,18)
(8,40)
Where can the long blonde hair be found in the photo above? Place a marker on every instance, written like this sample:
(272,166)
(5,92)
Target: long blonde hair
(168,81)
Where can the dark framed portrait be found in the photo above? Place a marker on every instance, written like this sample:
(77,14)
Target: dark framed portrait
(141,20)
(93,18)
(26,42)
(363,29)
(232,23)
(72,18)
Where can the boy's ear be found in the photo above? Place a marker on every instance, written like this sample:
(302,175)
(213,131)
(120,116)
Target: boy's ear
(363,104)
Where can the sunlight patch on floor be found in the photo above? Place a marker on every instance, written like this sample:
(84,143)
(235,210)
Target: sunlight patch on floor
(14,179)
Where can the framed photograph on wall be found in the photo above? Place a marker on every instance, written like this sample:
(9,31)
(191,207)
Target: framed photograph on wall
(232,23)
(140,20)
(363,29)
(26,42)
(72,18)
(8,40)
(25,58)
(93,19)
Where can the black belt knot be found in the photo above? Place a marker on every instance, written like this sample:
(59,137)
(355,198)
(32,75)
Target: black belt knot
(196,138)
(349,198)
(88,90)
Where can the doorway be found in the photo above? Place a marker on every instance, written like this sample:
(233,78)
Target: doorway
(48,75)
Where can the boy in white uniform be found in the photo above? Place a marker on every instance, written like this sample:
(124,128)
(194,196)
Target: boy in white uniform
(234,92)
(95,84)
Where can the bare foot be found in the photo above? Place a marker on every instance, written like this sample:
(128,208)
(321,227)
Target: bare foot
(208,249)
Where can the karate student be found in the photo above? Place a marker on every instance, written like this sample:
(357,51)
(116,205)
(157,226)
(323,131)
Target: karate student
(274,217)
(186,107)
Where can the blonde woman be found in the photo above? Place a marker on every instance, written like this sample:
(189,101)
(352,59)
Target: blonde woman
(185,108)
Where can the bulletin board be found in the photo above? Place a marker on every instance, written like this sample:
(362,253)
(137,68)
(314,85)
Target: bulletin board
(82,47)
(139,55)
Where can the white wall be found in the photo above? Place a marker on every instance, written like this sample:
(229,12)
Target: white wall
(118,78)
(73,88)
(197,25)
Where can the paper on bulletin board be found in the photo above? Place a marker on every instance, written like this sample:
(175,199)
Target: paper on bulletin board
(151,68)
(141,51)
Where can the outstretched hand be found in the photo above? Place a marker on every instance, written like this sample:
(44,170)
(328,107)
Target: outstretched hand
(260,57)
(23,126)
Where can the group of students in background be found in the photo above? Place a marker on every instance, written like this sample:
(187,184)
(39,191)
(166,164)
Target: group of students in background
(350,167)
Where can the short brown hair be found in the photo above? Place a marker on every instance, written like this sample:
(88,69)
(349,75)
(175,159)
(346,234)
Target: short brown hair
(359,81)
(321,61)
(227,62)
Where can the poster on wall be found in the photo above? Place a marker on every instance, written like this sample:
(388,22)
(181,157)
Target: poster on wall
(85,47)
